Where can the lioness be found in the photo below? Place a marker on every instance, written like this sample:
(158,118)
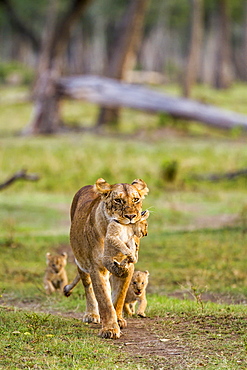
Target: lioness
(55,276)
(137,293)
(115,251)
(92,209)
(121,247)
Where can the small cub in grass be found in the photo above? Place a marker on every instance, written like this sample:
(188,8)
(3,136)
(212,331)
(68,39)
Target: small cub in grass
(137,293)
(55,276)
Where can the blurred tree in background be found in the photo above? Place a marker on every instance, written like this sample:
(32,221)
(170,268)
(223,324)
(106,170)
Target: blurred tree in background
(185,41)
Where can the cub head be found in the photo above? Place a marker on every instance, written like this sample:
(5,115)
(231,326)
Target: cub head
(123,202)
(56,262)
(139,282)
(141,227)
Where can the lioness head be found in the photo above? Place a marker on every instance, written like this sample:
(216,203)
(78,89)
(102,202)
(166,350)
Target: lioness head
(56,262)
(139,281)
(123,202)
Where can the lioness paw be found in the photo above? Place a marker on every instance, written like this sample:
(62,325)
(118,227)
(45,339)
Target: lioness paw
(91,317)
(109,333)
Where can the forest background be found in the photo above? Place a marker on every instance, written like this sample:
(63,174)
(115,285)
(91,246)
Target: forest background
(195,251)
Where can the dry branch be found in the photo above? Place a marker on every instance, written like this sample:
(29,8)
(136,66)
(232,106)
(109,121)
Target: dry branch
(221,176)
(20,175)
(112,93)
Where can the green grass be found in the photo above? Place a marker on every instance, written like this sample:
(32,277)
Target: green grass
(189,249)
(30,340)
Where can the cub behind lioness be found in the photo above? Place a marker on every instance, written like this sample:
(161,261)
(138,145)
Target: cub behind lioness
(55,276)
(137,293)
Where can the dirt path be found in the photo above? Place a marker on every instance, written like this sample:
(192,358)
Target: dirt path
(172,342)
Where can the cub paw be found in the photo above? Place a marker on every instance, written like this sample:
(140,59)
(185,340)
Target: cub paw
(141,314)
(119,270)
(91,317)
(122,322)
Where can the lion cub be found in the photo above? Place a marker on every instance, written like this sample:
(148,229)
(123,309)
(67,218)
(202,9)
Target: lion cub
(137,293)
(122,244)
(55,276)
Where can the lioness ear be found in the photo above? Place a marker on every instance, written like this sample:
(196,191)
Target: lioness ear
(101,186)
(141,186)
(145,215)
(147,272)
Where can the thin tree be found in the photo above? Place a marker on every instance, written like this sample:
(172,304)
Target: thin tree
(193,59)
(123,52)
(21,28)
(244,54)
(223,63)
(46,112)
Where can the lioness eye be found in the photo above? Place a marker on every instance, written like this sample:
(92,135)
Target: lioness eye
(118,200)
(136,200)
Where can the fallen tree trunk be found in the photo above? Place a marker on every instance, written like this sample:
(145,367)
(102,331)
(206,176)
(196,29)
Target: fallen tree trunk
(112,93)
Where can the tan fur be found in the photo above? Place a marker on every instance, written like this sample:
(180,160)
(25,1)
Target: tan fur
(121,248)
(137,293)
(93,209)
(117,256)
(55,276)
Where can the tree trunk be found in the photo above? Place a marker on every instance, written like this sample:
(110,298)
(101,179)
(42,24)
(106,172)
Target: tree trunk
(193,60)
(46,113)
(112,93)
(223,64)
(123,53)
(19,26)
(244,56)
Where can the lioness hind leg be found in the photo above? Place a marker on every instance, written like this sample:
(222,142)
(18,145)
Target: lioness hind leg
(92,312)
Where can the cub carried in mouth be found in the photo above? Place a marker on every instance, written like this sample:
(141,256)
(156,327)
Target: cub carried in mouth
(137,293)
(120,249)
(122,244)
(55,276)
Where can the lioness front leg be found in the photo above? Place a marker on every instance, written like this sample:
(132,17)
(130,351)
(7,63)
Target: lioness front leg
(110,328)
(119,290)
(92,312)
